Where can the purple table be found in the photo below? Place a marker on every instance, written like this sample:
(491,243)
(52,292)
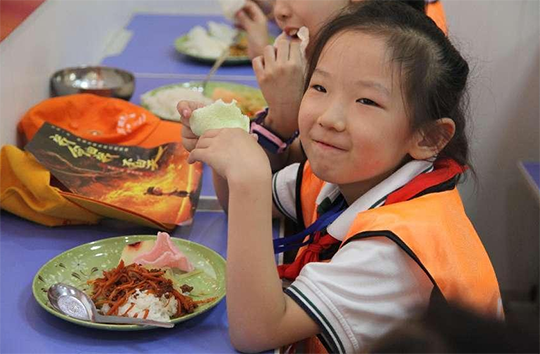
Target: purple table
(531,172)
(151,48)
(27,328)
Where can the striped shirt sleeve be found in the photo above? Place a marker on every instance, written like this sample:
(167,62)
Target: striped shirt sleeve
(368,287)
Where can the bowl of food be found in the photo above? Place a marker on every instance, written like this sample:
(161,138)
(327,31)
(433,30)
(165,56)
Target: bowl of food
(99,80)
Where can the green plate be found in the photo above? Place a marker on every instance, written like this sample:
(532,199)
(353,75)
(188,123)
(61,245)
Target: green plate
(249,94)
(180,45)
(77,265)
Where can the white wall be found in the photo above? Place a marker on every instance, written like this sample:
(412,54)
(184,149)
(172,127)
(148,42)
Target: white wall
(62,33)
(501,40)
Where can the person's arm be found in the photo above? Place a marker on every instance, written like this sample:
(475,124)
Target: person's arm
(260,315)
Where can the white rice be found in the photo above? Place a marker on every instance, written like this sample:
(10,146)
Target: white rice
(209,43)
(159,309)
(163,102)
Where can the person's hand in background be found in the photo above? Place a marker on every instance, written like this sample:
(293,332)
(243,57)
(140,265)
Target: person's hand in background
(253,20)
(280,74)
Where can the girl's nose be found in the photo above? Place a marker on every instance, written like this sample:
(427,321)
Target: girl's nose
(282,10)
(333,117)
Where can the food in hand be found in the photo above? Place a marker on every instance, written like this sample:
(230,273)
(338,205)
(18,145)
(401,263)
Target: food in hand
(302,34)
(217,116)
(231,7)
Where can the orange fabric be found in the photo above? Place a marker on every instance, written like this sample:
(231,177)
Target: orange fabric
(101,119)
(310,188)
(438,232)
(25,191)
(435,11)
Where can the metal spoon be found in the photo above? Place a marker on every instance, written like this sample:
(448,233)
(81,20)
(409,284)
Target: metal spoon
(75,303)
(220,60)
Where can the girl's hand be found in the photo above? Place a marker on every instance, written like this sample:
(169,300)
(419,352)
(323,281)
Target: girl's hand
(280,73)
(252,20)
(185,108)
(233,154)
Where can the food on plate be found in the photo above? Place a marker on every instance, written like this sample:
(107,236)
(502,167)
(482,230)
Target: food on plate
(160,253)
(163,102)
(135,291)
(240,48)
(213,41)
(216,116)
(249,102)
(142,285)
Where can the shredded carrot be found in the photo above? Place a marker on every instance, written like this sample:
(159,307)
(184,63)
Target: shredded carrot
(118,284)
(129,309)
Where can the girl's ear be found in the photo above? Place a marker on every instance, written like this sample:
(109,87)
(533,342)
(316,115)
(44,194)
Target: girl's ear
(428,141)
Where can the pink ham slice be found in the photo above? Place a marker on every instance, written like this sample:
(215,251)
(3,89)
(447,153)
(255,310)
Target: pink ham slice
(164,254)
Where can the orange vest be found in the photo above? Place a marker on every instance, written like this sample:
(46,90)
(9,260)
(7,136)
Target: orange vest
(435,11)
(435,232)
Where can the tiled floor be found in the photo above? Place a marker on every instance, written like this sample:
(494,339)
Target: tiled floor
(13,13)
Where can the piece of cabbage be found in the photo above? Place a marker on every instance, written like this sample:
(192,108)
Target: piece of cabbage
(216,116)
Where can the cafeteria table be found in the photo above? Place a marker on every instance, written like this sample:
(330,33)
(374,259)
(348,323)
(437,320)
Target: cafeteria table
(27,328)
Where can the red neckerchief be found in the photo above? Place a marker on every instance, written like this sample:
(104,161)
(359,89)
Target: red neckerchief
(444,170)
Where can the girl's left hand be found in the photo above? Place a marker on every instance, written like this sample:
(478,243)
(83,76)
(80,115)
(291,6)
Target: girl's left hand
(233,154)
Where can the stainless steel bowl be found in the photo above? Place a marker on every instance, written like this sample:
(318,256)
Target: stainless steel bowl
(99,80)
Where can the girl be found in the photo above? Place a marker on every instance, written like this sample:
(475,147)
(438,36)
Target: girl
(280,71)
(383,129)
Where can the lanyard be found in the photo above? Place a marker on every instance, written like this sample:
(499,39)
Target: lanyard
(290,243)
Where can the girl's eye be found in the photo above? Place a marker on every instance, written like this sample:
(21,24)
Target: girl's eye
(318,88)
(367,102)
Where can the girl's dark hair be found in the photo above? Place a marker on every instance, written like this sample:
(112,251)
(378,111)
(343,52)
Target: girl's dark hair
(433,73)
(419,5)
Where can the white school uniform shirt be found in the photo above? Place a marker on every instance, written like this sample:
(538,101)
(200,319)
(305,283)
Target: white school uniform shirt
(368,286)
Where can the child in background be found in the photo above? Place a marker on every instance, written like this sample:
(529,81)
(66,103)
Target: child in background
(383,127)
(280,71)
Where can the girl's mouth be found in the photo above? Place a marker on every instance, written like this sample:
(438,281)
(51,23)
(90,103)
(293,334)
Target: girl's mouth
(327,146)
(292,33)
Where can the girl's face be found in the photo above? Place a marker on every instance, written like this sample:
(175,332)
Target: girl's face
(290,15)
(352,120)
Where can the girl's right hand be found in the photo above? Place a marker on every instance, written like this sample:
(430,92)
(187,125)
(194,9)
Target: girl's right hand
(253,20)
(185,108)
